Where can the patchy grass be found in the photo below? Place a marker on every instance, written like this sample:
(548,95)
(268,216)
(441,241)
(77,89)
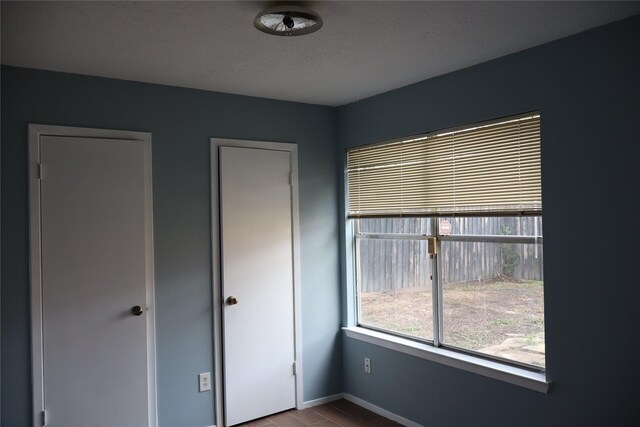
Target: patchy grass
(479,315)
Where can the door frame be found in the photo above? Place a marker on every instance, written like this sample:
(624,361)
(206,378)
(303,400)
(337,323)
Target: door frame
(37,360)
(215,143)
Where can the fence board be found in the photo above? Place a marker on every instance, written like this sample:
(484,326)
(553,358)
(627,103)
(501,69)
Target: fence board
(399,264)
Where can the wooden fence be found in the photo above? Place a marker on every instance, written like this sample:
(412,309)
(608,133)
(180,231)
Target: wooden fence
(398,264)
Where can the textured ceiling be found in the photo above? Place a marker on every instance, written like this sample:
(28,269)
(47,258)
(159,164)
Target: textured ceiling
(364,48)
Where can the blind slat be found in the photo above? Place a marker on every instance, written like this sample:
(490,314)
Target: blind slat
(486,168)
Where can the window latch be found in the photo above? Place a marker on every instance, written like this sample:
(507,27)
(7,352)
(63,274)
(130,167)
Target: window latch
(432,246)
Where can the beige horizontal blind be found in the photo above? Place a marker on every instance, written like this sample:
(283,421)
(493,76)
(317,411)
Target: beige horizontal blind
(485,169)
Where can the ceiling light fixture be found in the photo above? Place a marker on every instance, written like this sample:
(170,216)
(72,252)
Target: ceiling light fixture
(287,20)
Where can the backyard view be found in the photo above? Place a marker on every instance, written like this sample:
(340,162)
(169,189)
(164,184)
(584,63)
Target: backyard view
(498,317)
(492,288)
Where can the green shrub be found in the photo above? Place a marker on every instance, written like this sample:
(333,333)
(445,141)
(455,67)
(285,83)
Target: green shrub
(510,257)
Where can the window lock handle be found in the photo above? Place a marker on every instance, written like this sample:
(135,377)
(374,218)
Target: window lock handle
(432,246)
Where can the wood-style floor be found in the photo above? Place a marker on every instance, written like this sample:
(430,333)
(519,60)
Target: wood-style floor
(338,413)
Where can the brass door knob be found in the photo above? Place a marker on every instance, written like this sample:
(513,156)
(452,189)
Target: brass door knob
(137,310)
(232,300)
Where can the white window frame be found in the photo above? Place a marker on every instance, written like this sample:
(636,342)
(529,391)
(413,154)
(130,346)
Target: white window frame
(433,350)
(509,371)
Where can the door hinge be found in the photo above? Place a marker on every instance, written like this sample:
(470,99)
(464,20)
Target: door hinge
(44,418)
(295,368)
(39,170)
(291,179)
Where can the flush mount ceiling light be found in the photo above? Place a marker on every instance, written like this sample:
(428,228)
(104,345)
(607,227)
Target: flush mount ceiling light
(288,20)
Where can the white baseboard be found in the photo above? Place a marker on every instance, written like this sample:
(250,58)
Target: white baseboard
(380,411)
(321,401)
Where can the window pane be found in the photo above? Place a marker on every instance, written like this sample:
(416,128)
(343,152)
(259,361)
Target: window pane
(394,285)
(494,226)
(395,225)
(492,297)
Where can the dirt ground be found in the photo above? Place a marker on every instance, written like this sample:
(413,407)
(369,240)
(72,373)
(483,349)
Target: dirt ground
(501,317)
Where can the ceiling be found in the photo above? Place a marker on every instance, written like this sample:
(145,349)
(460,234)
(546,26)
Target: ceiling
(363,48)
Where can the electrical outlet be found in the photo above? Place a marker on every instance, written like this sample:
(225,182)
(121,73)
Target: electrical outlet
(205,381)
(367,365)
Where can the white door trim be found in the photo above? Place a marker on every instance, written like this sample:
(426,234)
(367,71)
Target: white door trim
(35,132)
(215,262)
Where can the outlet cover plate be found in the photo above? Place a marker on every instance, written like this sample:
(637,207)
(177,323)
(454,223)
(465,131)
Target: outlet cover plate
(204,380)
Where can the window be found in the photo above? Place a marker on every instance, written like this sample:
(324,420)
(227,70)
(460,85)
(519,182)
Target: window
(448,239)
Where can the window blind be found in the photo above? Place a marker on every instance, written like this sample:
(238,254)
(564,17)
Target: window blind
(487,169)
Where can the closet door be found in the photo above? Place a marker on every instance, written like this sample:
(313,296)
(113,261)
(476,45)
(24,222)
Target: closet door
(257,282)
(96,282)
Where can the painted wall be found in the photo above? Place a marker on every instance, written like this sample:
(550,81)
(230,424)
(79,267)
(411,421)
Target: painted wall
(181,121)
(588,91)
(587,88)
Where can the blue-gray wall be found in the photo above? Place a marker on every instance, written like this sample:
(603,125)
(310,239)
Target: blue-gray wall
(587,88)
(181,121)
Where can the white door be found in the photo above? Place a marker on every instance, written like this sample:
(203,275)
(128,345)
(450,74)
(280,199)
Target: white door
(96,282)
(257,282)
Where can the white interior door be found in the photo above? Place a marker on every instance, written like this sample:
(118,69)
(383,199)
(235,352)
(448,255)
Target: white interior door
(257,270)
(95,268)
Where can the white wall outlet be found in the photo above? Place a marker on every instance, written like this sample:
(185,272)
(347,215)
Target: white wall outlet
(205,381)
(367,365)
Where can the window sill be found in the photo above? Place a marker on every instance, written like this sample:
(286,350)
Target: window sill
(498,371)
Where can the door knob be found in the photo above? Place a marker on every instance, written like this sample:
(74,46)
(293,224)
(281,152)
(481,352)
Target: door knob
(137,310)
(232,300)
